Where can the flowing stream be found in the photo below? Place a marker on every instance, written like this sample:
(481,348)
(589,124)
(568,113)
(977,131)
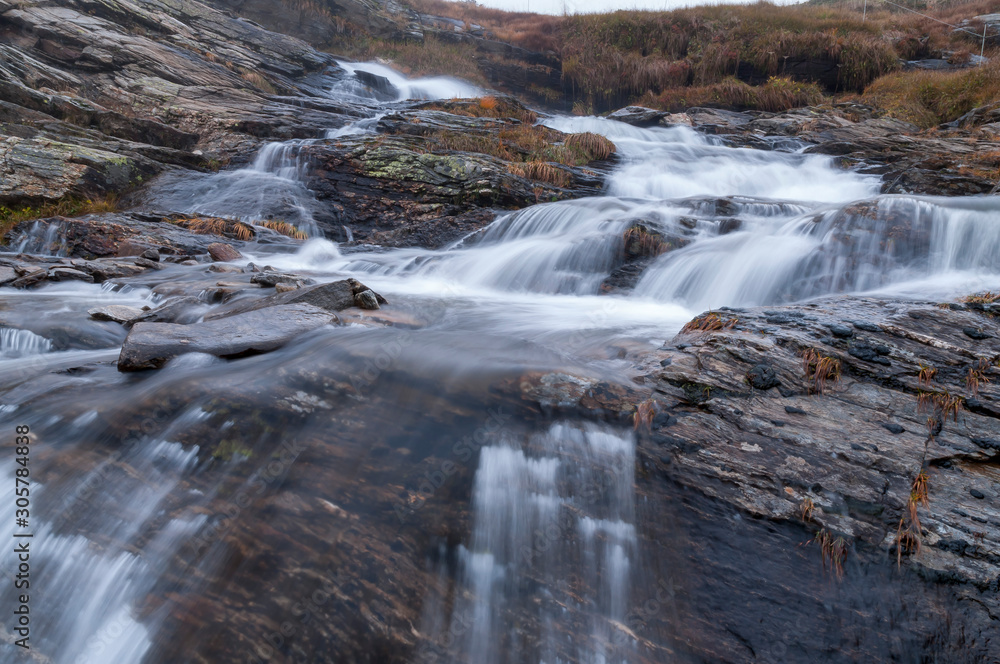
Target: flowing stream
(124,487)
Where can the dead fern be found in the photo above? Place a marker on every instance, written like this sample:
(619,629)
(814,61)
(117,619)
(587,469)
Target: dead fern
(640,241)
(834,551)
(820,369)
(285,228)
(926,375)
(977,376)
(643,417)
(942,404)
(709,322)
(594,146)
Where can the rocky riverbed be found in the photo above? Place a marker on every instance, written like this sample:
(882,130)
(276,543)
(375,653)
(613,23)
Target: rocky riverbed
(334,385)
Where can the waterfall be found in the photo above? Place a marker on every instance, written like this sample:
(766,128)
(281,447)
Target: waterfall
(558,515)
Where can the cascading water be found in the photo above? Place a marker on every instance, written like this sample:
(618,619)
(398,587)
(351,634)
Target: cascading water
(545,562)
(560,513)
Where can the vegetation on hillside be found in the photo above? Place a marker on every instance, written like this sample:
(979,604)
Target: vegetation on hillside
(756,56)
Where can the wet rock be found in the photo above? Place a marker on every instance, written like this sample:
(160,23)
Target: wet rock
(893,428)
(116,313)
(183,310)
(385,90)
(366,299)
(976,333)
(841,331)
(285,288)
(762,377)
(68,274)
(868,354)
(976,493)
(794,410)
(270,279)
(638,116)
(334,296)
(224,253)
(151,255)
(151,345)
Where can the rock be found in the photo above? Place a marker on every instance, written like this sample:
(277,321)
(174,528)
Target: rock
(366,299)
(69,274)
(384,90)
(151,255)
(794,410)
(841,331)
(146,263)
(270,279)
(976,493)
(184,310)
(224,253)
(976,333)
(116,313)
(285,288)
(892,427)
(762,377)
(151,345)
(334,296)
(638,116)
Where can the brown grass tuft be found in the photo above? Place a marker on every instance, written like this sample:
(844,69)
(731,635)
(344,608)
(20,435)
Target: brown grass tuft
(709,322)
(820,369)
(593,147)
(285,228)
(834,551)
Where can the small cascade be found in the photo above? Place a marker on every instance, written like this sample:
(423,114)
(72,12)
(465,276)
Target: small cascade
(270,187)
(373,80)
(44,238)
(895,244)
(556,517)
(99,553)
(21,343)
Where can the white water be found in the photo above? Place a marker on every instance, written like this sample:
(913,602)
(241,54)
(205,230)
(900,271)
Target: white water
(89,592)
(432,87)
(760,227)
(563,502)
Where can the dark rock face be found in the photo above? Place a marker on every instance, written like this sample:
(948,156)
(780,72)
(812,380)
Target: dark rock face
(139,89)
(151,345)
(739,451)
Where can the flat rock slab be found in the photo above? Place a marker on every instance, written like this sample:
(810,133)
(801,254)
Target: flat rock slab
(151,345)
(116,313)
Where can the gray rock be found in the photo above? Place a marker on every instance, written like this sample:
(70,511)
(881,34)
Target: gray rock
(334,296)
(116,313)
(151,255)
(223,253)
(183,310)
(151,345)
(366,299)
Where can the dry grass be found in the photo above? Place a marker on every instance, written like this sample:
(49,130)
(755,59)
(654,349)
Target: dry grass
(284,228)
(257,80)
(486,107)
(928,98)
(216,226)
(986,297)
(709,322)
(644,414)
(639,241)
(820,369)
(806,509)
(976,376)
(777,94)
(834,551)
(926,375)
(942,404)
(66,207)
(593,146)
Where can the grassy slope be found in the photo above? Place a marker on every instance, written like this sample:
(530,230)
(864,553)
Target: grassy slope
(691,57)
